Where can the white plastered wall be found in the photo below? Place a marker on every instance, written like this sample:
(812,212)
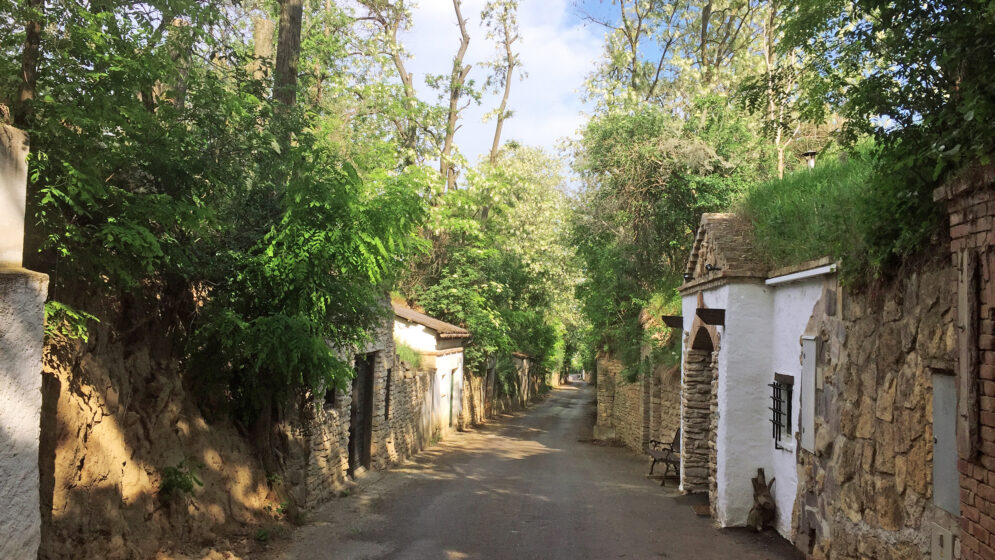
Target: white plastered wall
(715,298)
(449,385)
(743,397)
(22,320)
(793,306)
(416,336)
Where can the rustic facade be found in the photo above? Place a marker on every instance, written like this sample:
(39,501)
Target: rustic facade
(864,461)
(391,410)
(970,201)
(869,488)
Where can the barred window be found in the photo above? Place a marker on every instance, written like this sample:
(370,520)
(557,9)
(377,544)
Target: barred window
(780,409)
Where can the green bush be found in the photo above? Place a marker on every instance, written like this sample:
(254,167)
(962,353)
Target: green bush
(180,478)
(849,208)
(407,354)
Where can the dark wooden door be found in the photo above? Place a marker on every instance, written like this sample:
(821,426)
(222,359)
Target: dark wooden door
(361,415)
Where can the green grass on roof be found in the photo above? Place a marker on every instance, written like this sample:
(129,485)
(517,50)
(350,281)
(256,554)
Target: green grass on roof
(812,213)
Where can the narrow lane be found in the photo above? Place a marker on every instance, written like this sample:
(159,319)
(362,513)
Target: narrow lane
(526,487)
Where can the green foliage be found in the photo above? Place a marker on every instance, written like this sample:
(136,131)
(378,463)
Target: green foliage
(506,271)
(814,213)
(160,166)
(916,76)
(837,210)
(177,479)
(64,320)
(407,354)
(648,177)
(310,285)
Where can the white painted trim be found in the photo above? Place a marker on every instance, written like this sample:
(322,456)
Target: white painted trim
(794,277)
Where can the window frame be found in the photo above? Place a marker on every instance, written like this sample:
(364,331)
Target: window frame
(782,393)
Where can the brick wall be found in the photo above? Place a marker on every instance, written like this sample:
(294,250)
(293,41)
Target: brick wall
(970,201)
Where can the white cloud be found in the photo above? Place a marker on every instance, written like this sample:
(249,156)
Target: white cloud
(557,51)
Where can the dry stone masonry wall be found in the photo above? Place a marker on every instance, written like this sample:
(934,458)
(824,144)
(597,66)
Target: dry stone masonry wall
(867,490)
(696,404)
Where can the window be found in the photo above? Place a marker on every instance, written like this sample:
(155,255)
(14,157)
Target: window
(330,397)
(780,408)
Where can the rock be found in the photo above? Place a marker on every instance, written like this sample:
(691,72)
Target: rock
(884,448)
(889,506)
(846,458)
(901,472)
(865,419)
(920,474)
(886,400)
(851,503)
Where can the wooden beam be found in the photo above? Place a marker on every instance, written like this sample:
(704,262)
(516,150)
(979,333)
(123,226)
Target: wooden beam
(712,316)
(674,321)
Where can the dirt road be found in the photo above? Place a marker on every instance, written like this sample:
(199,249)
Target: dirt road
(530,486)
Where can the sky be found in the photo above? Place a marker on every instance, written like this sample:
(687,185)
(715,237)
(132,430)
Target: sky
(558,50)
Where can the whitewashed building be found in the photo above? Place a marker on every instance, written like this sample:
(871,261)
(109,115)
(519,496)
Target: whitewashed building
(748,370)
(440,345)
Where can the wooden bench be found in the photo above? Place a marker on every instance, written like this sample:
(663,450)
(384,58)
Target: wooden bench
(667,453)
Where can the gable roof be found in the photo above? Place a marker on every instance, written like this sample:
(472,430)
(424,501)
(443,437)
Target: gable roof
(445,330)
(724,241)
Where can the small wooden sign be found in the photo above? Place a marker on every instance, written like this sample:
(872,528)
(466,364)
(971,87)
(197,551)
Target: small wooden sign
(674,321)
(712,316)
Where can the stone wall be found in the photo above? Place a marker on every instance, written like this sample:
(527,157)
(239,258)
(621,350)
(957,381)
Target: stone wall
(696,404)
(410,421)
(970,201)
(473,400)
(665,403)
(866,491)
(635,412)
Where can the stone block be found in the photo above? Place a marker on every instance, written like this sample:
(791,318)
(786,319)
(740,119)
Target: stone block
(22,320)
(13,189)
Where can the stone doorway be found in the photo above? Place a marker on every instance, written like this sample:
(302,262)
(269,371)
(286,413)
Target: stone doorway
(361,414)
(698,400)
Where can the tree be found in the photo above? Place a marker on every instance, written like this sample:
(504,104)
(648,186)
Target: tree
(915,76)
(501,20)
(647,177)
(288,51)
(456,90)
(670,53)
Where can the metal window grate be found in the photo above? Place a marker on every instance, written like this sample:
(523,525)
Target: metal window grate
(780,411)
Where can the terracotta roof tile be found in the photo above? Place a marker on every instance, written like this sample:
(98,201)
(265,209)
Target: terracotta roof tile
(445,330)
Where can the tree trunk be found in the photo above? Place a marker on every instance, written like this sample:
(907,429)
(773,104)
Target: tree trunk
(509,74)
(29,64)
(456,81)
(288,51)
(21,117)
(262,47)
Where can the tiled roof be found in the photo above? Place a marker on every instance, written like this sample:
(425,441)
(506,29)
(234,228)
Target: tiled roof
(445,330)
(729,239)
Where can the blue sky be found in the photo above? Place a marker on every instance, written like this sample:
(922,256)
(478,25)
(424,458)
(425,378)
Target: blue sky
(558,50)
